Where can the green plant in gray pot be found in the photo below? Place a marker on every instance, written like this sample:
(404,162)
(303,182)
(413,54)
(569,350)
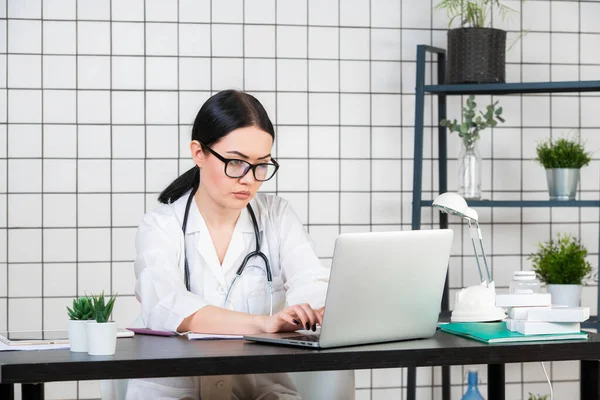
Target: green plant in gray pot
(102,331)
(469,160)
(79,315)
(563,266)
(563,159)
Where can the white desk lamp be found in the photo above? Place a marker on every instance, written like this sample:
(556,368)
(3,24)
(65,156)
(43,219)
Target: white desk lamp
(474,303)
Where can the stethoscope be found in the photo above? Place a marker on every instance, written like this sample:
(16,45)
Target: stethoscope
(255,253)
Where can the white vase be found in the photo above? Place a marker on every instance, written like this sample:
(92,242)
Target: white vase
(102,338)
(565,295)
(78,335)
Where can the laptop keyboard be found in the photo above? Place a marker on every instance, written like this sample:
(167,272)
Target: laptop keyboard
(304,338)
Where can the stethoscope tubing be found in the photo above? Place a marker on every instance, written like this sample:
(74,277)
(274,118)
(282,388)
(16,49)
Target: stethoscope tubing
(255,253)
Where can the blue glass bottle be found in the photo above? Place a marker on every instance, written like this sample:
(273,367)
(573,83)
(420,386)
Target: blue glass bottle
(472,392)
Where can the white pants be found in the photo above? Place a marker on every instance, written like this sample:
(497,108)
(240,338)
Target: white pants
(223,387)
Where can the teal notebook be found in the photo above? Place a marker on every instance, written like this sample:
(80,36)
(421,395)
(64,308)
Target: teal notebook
(496,332)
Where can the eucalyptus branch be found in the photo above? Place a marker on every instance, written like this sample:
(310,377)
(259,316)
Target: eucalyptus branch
(472,123)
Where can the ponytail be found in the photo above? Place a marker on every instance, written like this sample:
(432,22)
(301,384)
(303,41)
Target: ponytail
(180,186)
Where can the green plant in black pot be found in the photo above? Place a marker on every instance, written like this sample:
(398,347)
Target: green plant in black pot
(562,264)
(469,160)
(563,159)
(476,53)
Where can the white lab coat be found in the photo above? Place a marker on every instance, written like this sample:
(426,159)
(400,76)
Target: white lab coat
(298,277)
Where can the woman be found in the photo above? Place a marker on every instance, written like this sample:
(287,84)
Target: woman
(232,138)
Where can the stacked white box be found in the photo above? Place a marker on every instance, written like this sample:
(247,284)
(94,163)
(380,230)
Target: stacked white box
(532,314)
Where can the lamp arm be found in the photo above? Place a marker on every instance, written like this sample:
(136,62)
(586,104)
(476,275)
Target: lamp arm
(475,250)
(487,269)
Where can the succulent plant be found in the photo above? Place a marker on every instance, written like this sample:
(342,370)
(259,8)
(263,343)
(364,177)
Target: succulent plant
(82,309)
(102,309)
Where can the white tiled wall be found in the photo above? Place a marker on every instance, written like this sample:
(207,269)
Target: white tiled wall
(97,99)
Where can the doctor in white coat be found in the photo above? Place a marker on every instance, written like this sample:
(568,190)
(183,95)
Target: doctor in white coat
(231,144)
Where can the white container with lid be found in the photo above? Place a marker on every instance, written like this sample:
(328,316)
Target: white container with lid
(524,282)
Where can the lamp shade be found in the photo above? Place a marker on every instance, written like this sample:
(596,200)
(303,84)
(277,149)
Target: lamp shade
(455,204)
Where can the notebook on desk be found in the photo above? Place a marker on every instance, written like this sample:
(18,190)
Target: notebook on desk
(44,337)
(496,332)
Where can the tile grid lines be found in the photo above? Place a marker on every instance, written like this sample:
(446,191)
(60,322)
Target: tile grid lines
(179,171)
(42,165)
(286,125)
(339,83)
(551,96)
(579,211)
(370,149)
(244,44)
(145,126)
(7,170)
(282,158)
(111,171)
(76,162)
(509,223)
(166,56)
(276,125)
(388,93)
(433,101)
(308,200)
(291,24)
(521,373)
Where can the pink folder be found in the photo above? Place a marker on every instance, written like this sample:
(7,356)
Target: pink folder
(146,331)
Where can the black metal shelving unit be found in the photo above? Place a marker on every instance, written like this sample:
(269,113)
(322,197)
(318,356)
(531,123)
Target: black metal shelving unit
(441,90)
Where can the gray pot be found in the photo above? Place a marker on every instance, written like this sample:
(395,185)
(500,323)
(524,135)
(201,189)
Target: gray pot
(562,183)
(565,295)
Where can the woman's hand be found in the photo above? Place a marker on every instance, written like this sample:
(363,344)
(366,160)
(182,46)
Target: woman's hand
(299,316)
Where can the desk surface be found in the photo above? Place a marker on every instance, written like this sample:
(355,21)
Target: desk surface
(151,356)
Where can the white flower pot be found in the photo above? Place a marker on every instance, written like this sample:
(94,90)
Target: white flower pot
(78,335)
(102,338)
(565,295)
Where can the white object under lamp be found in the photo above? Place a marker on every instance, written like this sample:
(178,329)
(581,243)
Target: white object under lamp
(474,303)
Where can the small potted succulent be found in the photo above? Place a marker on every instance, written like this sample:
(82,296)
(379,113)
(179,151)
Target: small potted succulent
(563,159)
(102,332)
(79,316)
(562,265)
(469,173)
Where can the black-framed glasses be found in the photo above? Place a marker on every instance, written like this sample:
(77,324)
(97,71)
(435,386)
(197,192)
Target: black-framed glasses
(236,168)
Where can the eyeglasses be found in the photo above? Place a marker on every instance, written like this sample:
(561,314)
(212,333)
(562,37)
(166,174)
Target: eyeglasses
(235,168)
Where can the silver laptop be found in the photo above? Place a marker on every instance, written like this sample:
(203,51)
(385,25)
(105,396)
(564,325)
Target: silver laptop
(383,286)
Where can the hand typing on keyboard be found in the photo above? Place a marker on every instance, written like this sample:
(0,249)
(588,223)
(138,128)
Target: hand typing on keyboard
(298,316)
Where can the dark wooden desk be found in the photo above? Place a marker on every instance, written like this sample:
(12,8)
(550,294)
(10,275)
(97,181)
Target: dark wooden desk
(150,356)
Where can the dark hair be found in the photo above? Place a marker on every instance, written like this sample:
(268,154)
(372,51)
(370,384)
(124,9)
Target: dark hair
(222,113)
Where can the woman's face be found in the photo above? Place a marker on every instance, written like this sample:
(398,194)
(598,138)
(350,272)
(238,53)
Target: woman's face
(250,144)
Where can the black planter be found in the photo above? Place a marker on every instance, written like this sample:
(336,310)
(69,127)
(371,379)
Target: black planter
(476,55)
